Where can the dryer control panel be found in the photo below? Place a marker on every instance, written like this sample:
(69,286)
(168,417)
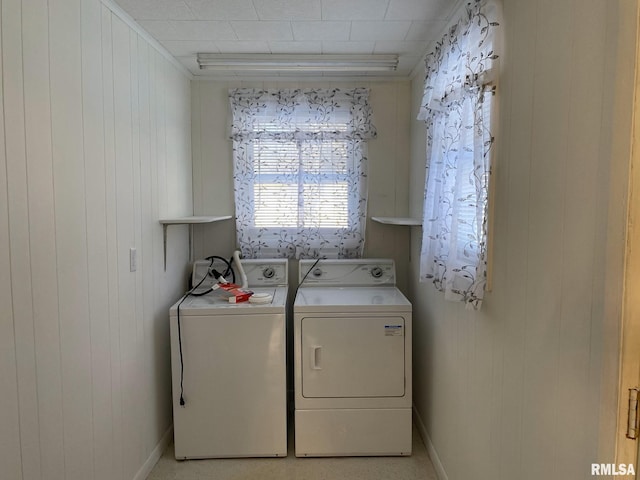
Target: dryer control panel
(347,272)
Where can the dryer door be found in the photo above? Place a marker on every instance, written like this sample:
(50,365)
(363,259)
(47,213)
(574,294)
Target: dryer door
(353,357)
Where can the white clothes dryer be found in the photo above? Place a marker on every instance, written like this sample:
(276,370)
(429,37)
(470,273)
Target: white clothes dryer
(352,360)
(229,364)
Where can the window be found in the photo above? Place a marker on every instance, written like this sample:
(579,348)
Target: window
(311,176)
(300,171)
(456,106)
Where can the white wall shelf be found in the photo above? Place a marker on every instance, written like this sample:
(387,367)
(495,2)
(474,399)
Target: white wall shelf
(191,221)
(407,221)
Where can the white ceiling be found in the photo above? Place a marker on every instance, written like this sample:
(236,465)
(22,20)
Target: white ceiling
(185,27)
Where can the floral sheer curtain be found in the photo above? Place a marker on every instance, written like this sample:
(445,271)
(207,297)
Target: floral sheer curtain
(300,171)
(456,107)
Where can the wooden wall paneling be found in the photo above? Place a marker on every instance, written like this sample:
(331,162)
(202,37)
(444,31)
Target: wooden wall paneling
(435,367)
(435,364)
(170,179)
(158,332)
(381,169)
(156,254)
(186,135)
(216,167)
(97,237)
(10,454)
(178,150)
(177,235)
(196,141)
(446,330)
(538,337)
(172,196)
(83,353)
(35,38)
(424,363)
(450,421)
(145,266)
(611,233)
(165,293)
(513,196)
(401,160)
(112,271)
(480,382)
(548,177)
(161,105)
(153,259)
(184,160)
(492,344)
(174,174)
(382,152)
(71,235)
(497,401)
(402,148)
(17,202)
(465,329)
(158,269)
(138,330)
(579,247)
(125,240)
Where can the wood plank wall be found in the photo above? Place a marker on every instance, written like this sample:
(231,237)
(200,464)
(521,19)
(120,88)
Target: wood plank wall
(524,388)
(94,150)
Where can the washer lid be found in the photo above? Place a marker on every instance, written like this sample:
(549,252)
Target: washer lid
(216,304)
(351,299)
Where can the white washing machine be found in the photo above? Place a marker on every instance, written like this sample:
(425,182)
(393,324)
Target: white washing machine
(228,363)
(352,354)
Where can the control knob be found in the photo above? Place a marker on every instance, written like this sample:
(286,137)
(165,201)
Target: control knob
(268,272)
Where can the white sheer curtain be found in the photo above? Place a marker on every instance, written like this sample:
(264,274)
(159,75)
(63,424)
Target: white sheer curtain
(456,106)
(300,171)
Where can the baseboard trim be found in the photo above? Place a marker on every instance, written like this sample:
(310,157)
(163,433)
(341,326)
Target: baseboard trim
(155,455)
(431,451)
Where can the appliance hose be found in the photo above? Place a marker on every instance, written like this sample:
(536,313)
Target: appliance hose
(243,276)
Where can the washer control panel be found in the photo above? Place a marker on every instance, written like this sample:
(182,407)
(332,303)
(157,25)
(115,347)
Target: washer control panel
(360,272)
(259,272)
(266,272)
